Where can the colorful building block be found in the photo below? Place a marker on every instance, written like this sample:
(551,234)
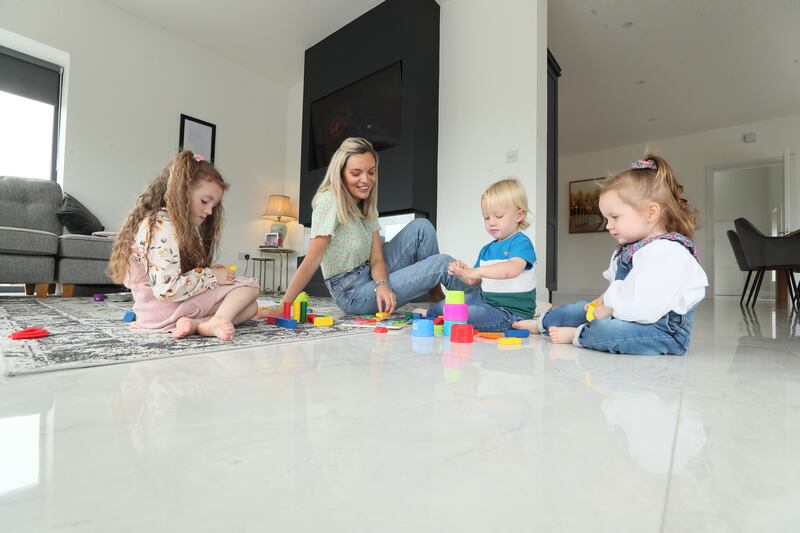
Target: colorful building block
(130,316)
(422,328)
(310,318)
(380,329)
(509,340)
(286,323)
(382,315)
(521,333)
(454,297)
(321,321)
(99,297)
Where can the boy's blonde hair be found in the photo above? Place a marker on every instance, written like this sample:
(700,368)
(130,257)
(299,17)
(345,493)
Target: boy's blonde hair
(347,207)
(508,193)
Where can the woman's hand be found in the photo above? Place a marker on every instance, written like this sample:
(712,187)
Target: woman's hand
(223,275)
(385,298)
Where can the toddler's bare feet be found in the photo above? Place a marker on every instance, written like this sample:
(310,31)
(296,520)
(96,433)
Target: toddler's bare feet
(562,335)
(184,327)
(530,325)
(217,327)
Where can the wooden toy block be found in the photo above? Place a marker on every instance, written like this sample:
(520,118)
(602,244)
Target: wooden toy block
(321,321)
(509,340)
(130,316)
(286,323)
(489,335)
(310,318)
(382,315)
(271,320)
(521,333)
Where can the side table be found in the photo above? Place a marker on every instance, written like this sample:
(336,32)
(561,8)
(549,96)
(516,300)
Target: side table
(260,264)
(283,258)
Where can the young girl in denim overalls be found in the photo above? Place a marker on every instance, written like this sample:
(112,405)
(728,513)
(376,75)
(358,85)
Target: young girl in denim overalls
(655,280)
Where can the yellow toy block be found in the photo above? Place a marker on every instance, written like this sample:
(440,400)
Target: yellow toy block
(382,315)
(590,311)
(321,321)
(509,340)
(302,297)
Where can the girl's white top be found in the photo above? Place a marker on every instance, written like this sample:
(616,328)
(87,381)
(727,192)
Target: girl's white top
(665,277)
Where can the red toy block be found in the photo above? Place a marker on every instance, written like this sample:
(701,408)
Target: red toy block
(271,320)
(438,321)
(310,318)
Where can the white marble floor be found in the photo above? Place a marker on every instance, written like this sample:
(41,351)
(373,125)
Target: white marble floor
(389,434)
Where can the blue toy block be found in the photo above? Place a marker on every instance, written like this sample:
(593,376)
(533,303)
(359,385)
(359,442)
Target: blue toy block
(520,333)
(130,316)
(422,328)
(416,316)
(287,323)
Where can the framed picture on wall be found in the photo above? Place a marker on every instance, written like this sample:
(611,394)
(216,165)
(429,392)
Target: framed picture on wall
(584,206)
(198,136)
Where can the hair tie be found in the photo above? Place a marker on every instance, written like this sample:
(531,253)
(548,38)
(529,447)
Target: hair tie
(644,163)
(199,158)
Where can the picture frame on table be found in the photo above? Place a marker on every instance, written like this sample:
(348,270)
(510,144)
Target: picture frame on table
(584,206)
(272,240)
(198,136)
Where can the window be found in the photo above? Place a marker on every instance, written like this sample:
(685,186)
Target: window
(30,94)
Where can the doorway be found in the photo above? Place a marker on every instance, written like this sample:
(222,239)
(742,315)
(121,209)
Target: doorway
(753,191)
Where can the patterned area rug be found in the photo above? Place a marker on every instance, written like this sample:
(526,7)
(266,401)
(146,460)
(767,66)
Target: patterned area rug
(85,333)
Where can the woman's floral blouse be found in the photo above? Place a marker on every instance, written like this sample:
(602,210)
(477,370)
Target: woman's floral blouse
(164,262)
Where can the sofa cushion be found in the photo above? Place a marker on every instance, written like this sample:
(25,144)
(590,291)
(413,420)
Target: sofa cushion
(21,241)
(82,272)
(76,218)
(30,204)
(27,268)
(85,247)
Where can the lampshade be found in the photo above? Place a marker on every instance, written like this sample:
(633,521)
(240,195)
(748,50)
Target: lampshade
(278,208)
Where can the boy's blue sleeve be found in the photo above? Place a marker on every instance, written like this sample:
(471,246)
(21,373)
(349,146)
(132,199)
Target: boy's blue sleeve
(522,247)
(480,255)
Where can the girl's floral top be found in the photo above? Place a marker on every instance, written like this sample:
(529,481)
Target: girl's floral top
(164,262)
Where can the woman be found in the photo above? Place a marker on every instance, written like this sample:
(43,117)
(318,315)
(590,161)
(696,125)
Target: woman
(363,275)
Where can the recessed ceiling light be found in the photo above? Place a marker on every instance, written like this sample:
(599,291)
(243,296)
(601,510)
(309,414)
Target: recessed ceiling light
(639,82)
(627,25)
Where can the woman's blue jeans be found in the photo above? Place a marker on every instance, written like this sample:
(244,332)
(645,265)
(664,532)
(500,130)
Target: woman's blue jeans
(415,266)
(670,335)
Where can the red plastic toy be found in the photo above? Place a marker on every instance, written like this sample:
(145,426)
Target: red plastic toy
(461,333)
(380,329)
(29,333)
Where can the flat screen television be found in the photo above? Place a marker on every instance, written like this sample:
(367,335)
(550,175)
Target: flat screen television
(369,108)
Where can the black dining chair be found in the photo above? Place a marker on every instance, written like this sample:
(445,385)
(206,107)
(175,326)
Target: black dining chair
(769,253)
(741,260)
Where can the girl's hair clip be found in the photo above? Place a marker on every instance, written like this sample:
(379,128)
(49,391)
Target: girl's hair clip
(644,163)
(199,158)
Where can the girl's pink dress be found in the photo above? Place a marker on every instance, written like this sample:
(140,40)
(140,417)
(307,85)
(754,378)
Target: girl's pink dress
(192,294)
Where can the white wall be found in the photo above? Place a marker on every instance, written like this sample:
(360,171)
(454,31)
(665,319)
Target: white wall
(129,81)
(492,99)
(582,257)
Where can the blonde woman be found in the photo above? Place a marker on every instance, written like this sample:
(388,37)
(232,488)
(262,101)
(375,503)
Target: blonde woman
(363,275)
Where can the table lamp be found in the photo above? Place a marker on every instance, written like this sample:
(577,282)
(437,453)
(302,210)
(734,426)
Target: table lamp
(278,210)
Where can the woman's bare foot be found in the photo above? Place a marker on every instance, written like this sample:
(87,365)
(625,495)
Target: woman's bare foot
(530,325)
(217,327)
(562,335)
(184,327)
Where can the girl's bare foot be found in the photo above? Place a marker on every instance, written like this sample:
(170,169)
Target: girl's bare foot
(562,335)
(530,325)
(217,327)
(184,327)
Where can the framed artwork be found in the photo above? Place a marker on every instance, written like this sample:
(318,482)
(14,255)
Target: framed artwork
(272,240)
(198,136)
(584,206)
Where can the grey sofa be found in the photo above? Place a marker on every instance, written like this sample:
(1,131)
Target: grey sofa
(35,251)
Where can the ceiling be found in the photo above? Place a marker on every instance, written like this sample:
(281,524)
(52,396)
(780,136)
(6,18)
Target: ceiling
(268,37)
(633,70)
(636,70)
